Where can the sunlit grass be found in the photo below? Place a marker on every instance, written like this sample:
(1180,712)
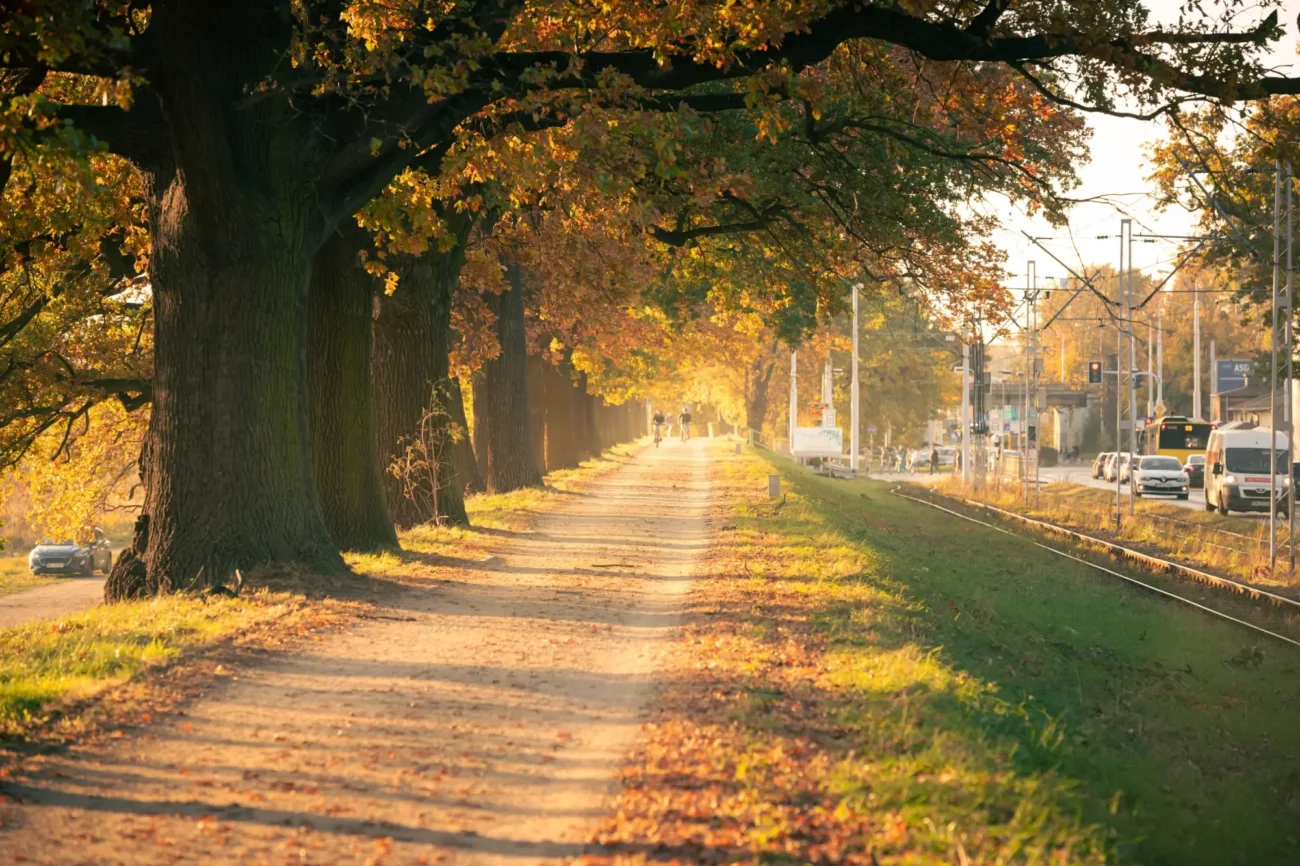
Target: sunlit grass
(15,576)
(996,705)
(46,661)
(1233,546)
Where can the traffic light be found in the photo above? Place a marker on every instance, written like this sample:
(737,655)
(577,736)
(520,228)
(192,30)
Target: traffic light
(1094,372)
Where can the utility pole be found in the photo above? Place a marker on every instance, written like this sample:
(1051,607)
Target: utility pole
(1160,355)
(1030,279)
(965,410)
(1290,381)
(1214,378)
(1150,368)
(1132,368)
(1119,384)
(854,409)
(1196,354)
(1272,371)
(794,397)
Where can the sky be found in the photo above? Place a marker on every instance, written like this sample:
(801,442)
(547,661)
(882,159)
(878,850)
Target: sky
(1118,166)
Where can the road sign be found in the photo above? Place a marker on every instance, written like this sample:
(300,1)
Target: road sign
(871,429)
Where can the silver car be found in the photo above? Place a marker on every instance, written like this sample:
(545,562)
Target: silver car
(68,557)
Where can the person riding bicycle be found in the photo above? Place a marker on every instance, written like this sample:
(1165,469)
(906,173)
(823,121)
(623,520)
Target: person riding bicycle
(685,420)
(659,425)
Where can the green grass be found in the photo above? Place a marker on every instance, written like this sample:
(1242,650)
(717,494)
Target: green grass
(43,662)
(1024,706)
(15,576)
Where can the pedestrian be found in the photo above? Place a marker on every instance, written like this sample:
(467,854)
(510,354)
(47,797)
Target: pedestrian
(934,460)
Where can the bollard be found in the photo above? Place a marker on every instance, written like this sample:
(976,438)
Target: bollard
(710,429)
(737,449)
(774,487)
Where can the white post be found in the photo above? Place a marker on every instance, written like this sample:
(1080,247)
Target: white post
(1132,366)
(1290,370)
(1151,339)
(965,411)
(1160,355)
(1272,372)
(1196,356)
(854,410)
(794,396)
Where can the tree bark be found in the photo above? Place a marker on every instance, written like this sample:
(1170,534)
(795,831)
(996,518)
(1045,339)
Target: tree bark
(536,383)
(585,404)
(348,474)
(502,404)
(560,398)
(230,481)
(757,379)
(411,377)
(467,468)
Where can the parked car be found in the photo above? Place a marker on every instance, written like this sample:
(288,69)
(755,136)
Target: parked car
(1111,471)
(1159,475)
(68,557)
(947,457)
(1125,467)
(1099,465)
(1195,469)
(1237,470)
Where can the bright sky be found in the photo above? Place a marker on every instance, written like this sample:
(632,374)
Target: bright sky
(1118,166)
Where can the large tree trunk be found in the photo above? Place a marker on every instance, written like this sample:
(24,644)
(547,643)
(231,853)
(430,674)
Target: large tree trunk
(229,481)
(501,405)
(560,398)
(235,221)
(349,477)
(412,336)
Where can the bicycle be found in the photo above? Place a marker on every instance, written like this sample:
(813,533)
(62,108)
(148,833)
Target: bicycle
(659,434)
(686,430)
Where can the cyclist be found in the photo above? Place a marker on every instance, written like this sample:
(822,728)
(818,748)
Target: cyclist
(685,420)
(659,426)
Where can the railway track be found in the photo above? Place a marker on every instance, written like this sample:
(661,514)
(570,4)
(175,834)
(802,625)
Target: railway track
(1145,559)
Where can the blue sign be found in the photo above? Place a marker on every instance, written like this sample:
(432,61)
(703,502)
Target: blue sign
(1232,374)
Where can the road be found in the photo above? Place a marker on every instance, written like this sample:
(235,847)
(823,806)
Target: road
(69,595)
(1083,475)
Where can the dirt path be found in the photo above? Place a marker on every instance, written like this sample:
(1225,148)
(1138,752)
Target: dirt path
(482,721)
(69,595)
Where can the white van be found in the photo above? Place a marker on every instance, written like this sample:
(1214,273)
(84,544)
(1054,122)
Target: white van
(1237,467)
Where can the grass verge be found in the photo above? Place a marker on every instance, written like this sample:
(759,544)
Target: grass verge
(865,680)
(15,575)
(1232,546)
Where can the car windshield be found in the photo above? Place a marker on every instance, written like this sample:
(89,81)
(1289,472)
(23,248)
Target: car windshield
(1196,460)
(1254,460)
(48,543)
(1161,464)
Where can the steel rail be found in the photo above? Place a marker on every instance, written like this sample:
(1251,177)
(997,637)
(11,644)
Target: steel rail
(1142,557)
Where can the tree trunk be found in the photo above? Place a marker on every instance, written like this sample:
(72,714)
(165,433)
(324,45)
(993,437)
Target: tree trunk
(536,384)
(410,375)
(504,410)
(467,468)
(585,416)
(561,402)
(348,475)
(229,481)
(757,379)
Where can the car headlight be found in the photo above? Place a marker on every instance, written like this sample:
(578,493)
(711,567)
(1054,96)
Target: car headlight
(1229,479)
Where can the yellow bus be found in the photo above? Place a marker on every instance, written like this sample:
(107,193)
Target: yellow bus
(1175,436)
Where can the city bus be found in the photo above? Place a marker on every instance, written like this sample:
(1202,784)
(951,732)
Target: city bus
(1175,436)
